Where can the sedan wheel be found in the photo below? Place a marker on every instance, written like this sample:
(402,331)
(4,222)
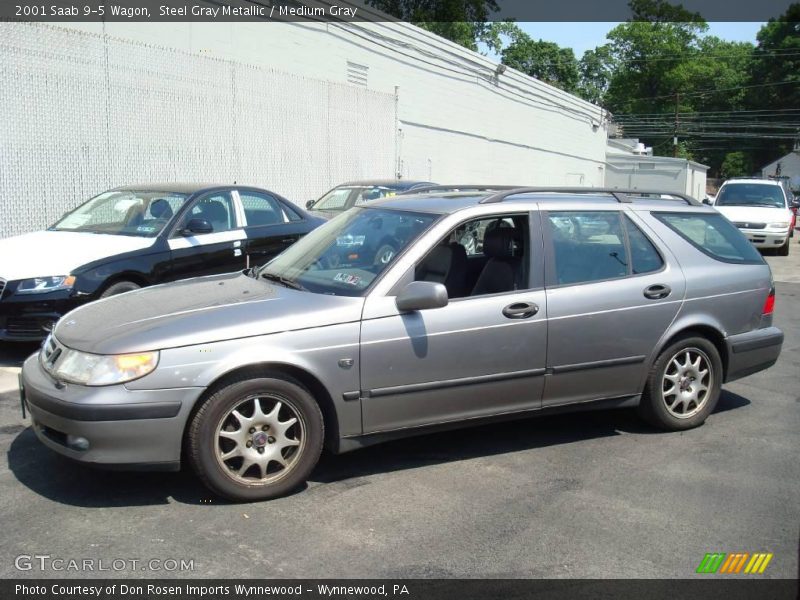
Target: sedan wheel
(257,437)
(683,385)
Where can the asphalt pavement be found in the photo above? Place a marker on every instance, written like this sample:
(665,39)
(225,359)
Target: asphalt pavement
(582,495)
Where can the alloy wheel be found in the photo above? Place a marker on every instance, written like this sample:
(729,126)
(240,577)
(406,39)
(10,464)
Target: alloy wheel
(687,382)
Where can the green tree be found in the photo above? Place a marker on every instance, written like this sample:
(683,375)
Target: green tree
(596,68)
(465,22)
(735,164)
(545,61)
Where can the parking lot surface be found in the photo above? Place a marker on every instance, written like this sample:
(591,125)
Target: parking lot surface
(581,495)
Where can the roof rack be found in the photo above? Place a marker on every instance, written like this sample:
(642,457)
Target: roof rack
(620,195)
(424,189)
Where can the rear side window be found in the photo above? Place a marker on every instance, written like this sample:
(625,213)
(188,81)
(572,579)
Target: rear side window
(713,235)
(644,256)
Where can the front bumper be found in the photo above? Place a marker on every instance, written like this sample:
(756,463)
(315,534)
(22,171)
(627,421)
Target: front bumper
(766,238)
(108,426)
(28,318)
(752,352)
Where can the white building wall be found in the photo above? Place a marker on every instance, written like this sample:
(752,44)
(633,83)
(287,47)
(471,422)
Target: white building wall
(790,167)
(451,118)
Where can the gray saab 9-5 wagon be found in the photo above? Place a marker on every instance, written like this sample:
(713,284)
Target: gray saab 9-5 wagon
(570,299)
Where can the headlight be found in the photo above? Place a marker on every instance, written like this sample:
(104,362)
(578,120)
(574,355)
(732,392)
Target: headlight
(40,285)
(96,369)
(779,225)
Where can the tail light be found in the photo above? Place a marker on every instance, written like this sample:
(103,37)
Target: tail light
(769,303)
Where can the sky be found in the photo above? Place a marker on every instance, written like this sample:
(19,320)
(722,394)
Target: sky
(582,36)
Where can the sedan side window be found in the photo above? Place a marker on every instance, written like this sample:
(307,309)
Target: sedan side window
(260,209)
(217,209)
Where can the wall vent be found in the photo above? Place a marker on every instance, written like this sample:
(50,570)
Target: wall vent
(357,74)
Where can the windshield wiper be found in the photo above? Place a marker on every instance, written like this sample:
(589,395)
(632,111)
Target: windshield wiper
(283,281)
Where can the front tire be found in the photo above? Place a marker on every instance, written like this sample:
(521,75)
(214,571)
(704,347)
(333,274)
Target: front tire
(256,438)
(784,250)
(120,287)
(683,386)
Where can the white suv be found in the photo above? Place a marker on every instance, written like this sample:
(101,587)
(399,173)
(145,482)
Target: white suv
(761,209)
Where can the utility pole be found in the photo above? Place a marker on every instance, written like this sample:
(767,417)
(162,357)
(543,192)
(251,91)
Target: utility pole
(675,138)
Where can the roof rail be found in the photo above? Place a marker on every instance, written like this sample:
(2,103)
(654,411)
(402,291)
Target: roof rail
(620,195)
(424,189)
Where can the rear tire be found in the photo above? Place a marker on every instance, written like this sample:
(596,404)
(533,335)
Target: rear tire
(256,438)
(683,386)
(120,287)
(784,250)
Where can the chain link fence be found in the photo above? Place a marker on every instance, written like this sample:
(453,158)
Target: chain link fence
(81,113)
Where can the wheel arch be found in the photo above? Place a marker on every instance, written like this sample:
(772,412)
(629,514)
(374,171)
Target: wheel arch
(133,276)
(317,389)
(712,333)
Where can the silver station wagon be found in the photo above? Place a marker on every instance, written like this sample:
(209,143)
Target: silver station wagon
(406,315)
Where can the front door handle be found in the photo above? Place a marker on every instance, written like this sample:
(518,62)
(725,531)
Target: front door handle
(657,291)
(520,310)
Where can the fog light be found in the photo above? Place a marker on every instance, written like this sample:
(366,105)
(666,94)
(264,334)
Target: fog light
(76,442)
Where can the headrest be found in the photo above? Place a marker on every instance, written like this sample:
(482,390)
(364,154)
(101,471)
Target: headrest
(160,209)
(439,260)
(502,242)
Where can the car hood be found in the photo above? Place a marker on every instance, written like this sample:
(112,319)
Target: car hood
(44,253)
(754,214)
(198,311)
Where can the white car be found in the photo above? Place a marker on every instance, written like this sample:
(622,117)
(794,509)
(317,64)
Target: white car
(761,209)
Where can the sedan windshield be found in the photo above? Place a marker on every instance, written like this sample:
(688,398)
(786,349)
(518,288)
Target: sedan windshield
(342,198)
(346,254)
(125,212)
(750,194)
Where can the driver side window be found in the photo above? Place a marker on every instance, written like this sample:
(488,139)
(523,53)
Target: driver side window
(482,256)
(217,209)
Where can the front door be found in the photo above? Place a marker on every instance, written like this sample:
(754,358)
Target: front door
(611,294)
(220,251)
(482,354)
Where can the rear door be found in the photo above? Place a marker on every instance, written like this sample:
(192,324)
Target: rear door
(270,226)
(611,294)
(220,251)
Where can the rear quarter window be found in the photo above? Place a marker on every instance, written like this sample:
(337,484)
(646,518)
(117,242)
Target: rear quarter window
(713,235)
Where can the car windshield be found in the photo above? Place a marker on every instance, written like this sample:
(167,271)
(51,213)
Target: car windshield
(126,212)
(345,255)
(750,194)
(343,197)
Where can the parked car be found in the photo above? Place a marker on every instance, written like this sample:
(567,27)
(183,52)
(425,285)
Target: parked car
(135,236)
(762,209)
(355,193)
(247,376)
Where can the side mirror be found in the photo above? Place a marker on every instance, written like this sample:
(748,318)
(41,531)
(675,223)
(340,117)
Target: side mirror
(421,295)
(310,203)
(196,227)
(706,201)
(795,204)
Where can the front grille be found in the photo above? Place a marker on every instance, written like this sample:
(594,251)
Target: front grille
(51,352)
(23,326)
(743,225)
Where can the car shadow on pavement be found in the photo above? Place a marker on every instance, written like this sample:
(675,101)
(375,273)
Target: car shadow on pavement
(61,480)
(13,355)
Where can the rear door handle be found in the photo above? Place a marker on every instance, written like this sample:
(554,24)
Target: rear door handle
(657,291)
(520,310)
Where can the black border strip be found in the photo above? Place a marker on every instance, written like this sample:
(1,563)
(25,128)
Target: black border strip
(103,412)
(448,383)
